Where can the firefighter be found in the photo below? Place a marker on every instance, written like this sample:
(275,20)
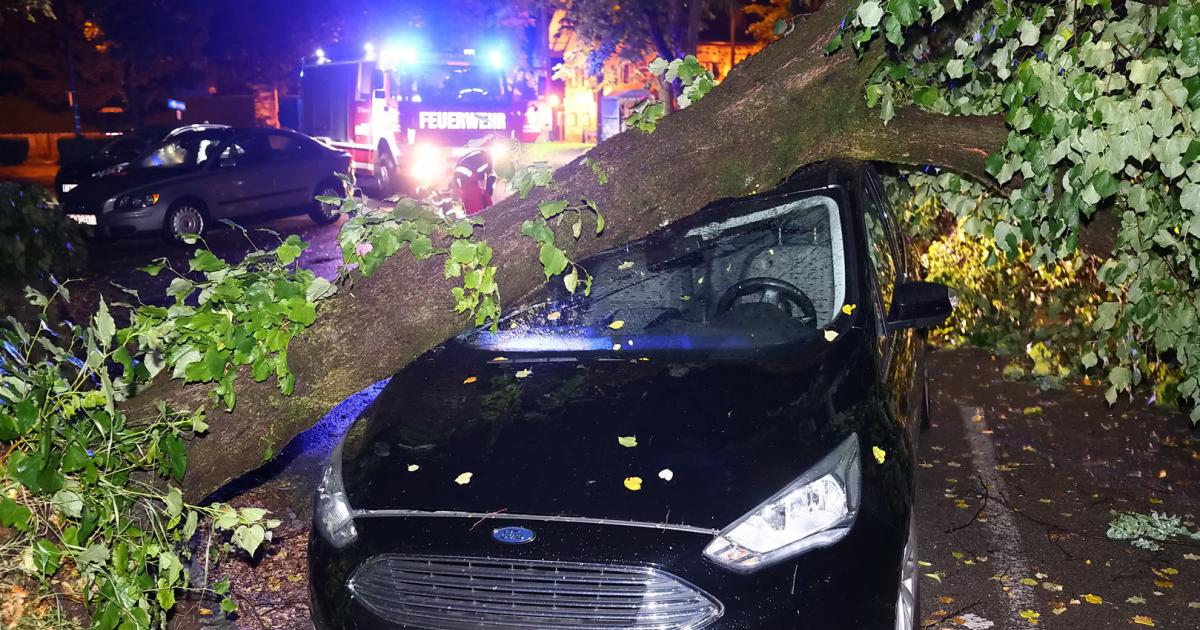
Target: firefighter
(474,181)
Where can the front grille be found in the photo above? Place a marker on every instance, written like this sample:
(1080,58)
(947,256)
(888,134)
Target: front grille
(453,593)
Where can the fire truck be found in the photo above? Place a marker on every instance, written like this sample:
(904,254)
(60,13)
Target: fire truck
(407,115)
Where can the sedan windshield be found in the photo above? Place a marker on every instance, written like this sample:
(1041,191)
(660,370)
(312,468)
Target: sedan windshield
(760,273)
(185,150)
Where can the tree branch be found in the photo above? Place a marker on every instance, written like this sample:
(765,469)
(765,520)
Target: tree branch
(916,138)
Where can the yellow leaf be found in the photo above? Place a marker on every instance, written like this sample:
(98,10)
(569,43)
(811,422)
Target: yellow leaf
(499,359)
(830,335)
(463,479)
(1029,582)
(628,264)
(1164,583)
(1030,615)
(617,324)
(849,308)
(523,373)
(553,316)
(1171,571)
(880,454)
(413,468)
(469,380)
(633,483)
(628,441)
(1142,620)
(1093,599)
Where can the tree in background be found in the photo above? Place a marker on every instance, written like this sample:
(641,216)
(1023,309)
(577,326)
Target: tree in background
(155,45)
(771,12)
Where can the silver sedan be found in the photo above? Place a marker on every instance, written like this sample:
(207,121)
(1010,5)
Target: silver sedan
(190,181)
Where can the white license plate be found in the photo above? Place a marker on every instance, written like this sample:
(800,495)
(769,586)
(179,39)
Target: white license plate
(86,219)
(68,187)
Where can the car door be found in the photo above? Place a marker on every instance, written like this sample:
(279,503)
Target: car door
(294,167)
(889,264)
(242,177)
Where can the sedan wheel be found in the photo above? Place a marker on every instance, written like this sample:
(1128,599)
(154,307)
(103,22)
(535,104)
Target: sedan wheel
(181,220)
(907,605)
(325,213)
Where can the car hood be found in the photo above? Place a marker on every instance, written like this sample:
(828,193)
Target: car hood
(82,169)
(459,431)
(94,191)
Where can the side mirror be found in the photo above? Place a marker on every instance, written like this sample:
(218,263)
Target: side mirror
(920,305)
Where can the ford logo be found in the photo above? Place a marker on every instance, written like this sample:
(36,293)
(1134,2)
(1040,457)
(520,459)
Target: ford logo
(515,535)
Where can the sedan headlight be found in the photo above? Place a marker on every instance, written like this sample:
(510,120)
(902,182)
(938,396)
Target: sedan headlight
(332,513)
(135,202)
(815,510)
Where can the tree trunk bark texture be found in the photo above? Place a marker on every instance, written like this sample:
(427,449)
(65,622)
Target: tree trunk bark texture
(788,106)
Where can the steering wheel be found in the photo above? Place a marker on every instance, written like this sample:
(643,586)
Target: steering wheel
(781,294)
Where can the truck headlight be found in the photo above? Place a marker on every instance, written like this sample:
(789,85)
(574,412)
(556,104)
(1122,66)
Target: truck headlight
(135,202)
(816,510)
(428,163)
(331,510)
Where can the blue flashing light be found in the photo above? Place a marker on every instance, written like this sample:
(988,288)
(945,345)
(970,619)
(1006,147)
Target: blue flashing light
(497,59)
(399,55)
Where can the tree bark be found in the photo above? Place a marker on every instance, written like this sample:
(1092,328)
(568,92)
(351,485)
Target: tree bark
(788,106)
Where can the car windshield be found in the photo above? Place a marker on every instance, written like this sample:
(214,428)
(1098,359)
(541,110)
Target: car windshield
(453,84)
(763,273)
(186,150)
(124,148)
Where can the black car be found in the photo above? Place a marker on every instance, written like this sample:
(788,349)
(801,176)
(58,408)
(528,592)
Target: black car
(191,180)
(721,436)
(115,155)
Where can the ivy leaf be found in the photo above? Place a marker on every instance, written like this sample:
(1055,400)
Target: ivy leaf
(173,501)
(249,537)
(105,326)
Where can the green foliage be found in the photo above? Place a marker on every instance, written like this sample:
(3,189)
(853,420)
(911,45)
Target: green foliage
(223,317)
(37,241)
(1147,531)
(78,477)
(694,79)
(1102,102)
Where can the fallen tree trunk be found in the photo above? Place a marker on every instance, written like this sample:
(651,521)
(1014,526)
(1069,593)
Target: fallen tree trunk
(788,106)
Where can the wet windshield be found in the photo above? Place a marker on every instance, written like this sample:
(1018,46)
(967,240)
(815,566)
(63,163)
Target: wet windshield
(185,150)
(765,272)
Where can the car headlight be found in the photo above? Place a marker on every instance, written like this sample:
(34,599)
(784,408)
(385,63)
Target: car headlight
(332,513)
(112,170)
(816,510)
(135,202)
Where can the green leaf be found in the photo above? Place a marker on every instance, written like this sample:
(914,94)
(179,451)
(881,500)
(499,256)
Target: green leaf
(68,503)
(13,514)
(228,606)
(287,253)
(155,267)
(173,501)
(320,289)
(462,251)
(105,326)
(249,537)
(869,13)
(46,556)
(571,281)
(92,558)
(554,260)
(206,261)
(551,209)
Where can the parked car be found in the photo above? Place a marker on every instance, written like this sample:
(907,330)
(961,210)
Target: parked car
(192,179)
(115,155)
(721,435)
